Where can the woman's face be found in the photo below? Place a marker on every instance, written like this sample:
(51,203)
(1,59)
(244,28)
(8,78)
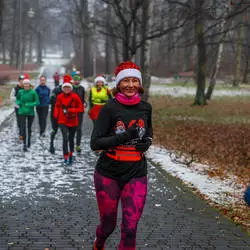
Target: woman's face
(129,86)
(99,84)
(42,80)
(26,86)
(66,89)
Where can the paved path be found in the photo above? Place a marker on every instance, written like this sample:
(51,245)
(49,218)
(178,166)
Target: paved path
(46,206)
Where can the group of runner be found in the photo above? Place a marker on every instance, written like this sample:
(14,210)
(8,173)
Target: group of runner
(67,102)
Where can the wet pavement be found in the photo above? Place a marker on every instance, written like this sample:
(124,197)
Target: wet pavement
(44,205)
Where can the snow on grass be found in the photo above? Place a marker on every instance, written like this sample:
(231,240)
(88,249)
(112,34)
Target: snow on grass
(178,91)
(5,113)
(222,192)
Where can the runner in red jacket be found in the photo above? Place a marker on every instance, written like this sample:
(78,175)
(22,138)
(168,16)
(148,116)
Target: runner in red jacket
(68,105)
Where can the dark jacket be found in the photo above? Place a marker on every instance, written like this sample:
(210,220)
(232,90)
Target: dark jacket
(80,91)
(113,121)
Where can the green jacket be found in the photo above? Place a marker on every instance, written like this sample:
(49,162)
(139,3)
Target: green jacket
(27,100)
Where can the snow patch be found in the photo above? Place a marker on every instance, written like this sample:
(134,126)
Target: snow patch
(220,191)
(5,113)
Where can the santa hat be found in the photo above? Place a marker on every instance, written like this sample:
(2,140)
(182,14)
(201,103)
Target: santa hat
(26,76)
(127,69)
(100,78)
(67,81)
(26,80)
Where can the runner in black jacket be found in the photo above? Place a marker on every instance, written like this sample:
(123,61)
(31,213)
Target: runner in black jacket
(80,91)
(56,91)
(123,132)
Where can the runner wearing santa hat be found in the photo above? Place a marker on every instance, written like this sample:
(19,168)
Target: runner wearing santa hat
(123,131)
(27,99)
(68,105)
(98,96)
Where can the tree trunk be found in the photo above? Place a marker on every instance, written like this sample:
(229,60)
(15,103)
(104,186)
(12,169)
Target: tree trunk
(88,63)
(212,81)
(39,47)
(115,47)
(201,56)
(4,51)
(146,48)
(30,47)
(236,80)
(13,36)
(247,55)
(1,17)
(245,76)
(107,41)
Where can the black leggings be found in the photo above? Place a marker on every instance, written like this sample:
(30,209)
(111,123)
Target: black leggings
(18,121)
(79,129)
(23,126)
(42,117)
(68,134)
(54,125)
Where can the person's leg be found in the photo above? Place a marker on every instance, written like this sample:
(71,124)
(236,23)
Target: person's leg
(79,132)
(18,121)
(30,122)
(133,199)
(22,127)
(72,132)
(65,135)
(54,126)
(107,194)
(39,113)
(23,121)
(44,116)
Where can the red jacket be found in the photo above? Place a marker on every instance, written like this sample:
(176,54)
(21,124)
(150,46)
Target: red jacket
(66,109)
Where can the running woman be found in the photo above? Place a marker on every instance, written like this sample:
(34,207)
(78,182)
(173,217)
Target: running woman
(98,96)
(68,105)
(27,99)
(13,95)
(123,131)
(54,124)
(43,92)
(80,91)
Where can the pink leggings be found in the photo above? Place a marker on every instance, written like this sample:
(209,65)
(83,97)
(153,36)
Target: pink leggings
(132,195)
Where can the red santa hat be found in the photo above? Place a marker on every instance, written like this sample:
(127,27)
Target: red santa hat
(26,76)
(100,78)
(67,79)
(127,69)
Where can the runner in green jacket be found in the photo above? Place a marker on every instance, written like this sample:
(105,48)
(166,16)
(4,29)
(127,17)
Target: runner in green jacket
(27,99)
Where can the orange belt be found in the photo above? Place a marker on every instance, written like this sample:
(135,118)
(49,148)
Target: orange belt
(124,153)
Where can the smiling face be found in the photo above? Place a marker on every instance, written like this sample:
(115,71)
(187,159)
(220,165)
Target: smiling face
(99,84)
(66,89)
(129,86)
(26,86)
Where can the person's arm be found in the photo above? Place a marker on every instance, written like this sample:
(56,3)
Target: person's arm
(90,100)
(12,96)
(35,102)
(109,93)
(57,107)
(18,99)
(144,144)
(101,139)
(79,105)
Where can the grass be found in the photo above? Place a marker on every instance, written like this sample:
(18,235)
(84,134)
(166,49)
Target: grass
(217,135)
(222,110)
